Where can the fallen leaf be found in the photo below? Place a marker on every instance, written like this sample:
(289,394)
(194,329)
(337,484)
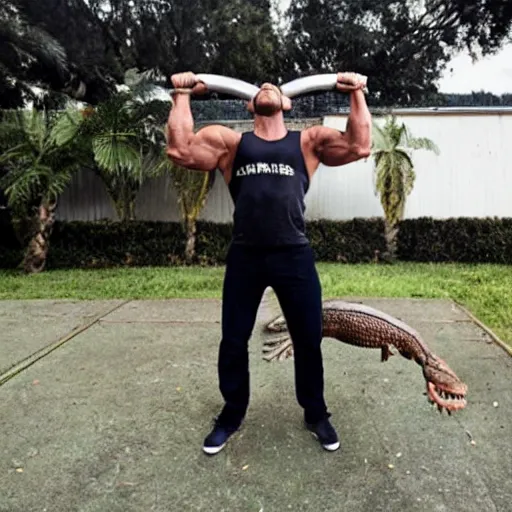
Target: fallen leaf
(35,382)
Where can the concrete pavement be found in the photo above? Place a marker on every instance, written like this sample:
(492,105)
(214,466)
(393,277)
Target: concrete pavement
(112,417)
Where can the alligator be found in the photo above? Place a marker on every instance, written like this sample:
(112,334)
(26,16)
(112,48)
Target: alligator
(364,326)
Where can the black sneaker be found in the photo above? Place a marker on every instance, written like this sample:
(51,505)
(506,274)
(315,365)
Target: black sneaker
(325,433)
(217,438)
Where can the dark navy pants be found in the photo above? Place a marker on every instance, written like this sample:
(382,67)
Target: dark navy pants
(291,272)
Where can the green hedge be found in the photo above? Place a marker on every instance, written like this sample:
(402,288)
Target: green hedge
(464,240)
(142,243)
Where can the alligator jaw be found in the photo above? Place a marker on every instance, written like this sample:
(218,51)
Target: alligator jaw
(445,399)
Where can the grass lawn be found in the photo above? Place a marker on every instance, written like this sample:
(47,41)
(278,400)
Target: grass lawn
(486,290)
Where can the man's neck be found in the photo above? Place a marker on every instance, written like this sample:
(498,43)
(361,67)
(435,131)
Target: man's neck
(270,128)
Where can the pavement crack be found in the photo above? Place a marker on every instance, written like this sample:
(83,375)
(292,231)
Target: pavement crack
(22,365)
(166,322)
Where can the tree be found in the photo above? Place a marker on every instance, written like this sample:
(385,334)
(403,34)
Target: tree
(29,56)
(192,187)
(96,62)
(402,47)
(127,147)
(101,39)
(38,167)
(394,173)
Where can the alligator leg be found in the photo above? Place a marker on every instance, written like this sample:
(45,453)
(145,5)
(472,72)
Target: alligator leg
(277,349)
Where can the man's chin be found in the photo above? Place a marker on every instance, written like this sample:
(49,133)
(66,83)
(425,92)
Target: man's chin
(266,110)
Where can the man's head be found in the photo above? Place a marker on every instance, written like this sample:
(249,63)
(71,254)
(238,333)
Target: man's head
(269,101)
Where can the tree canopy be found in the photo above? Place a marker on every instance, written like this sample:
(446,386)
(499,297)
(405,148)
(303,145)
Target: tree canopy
(402,45)
(83,48)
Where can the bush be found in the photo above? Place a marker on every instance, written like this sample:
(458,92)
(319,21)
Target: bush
(143,243)
(109,243)
(464,240)
(353,241)
(11,252)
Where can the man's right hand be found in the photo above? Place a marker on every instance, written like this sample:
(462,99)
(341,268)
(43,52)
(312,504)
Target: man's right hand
(188,80)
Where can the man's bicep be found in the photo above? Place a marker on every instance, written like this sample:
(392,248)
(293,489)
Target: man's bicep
(332,146)
(212,143)
(204,150)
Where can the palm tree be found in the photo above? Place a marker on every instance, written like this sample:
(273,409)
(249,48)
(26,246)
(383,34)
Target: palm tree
(38,166)
(394,173)
(127,144)
(192,188)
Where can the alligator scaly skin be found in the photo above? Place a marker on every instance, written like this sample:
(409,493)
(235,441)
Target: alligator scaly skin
(367,327)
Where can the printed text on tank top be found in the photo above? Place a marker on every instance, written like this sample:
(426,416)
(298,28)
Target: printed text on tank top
(268,184)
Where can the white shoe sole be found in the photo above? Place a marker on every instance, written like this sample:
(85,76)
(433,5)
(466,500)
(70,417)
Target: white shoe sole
(329,447)
(212,450)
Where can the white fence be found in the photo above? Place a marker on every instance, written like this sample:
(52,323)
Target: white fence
(472,176)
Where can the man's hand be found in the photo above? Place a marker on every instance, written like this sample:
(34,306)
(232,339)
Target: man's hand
(348,82)
(188,81)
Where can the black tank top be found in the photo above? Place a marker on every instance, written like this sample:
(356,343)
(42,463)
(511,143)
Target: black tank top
(268,184)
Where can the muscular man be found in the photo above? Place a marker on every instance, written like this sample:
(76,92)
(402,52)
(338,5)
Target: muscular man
(268,172)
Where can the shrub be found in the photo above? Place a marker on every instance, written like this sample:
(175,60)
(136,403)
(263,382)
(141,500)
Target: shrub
(465,240)
(144,243)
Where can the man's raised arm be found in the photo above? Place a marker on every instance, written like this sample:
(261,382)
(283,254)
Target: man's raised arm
(203,150)
(333,147)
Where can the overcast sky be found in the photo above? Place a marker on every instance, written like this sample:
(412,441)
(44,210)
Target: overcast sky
(491,74)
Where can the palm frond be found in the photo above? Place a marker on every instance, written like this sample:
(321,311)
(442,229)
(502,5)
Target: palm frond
(14,153)
(409,177)
(381,172)
(140,84)
(153,163)
(114,151)
(423,143)
(37,130)
(22,182)
(380,139)
(66,127)
(394,174)
(57,183)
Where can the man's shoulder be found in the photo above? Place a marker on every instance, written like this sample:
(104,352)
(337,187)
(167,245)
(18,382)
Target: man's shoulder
(220,133)
(310,134)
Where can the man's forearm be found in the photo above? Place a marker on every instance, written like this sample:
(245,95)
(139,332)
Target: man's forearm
(359,125)
(180,126)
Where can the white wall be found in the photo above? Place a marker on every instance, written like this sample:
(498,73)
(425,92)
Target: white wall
(472,177)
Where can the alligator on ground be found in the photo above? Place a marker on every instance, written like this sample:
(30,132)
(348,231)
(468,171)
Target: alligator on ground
(364,326)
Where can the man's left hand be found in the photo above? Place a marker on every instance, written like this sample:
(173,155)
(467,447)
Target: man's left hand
(348,82)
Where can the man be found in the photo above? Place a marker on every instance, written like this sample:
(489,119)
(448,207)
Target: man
(268,172)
